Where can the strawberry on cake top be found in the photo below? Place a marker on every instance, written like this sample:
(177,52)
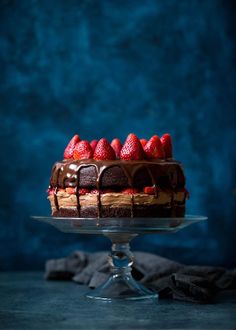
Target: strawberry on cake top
(100,179)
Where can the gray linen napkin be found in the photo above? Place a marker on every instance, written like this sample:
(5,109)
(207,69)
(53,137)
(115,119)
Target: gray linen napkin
(167,277)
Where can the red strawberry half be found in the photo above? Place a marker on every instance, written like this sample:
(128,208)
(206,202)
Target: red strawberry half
(117,146)
(149,190)
(130,191)
(83,150)
(132,148)
(95,191)
(93,144)
(83,191)
(68,153)
(153,148)
(70,190)
(51,191)
(167,145)
(101,191)
(104,151)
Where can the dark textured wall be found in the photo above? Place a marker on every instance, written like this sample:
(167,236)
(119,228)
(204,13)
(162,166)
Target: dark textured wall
(104,69)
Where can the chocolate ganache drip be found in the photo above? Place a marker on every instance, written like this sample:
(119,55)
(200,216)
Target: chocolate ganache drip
(165,174)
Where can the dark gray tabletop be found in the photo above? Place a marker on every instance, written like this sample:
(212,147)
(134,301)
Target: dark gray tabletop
(27,301)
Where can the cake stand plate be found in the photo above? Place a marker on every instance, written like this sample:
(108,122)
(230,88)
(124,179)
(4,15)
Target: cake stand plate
(121,231)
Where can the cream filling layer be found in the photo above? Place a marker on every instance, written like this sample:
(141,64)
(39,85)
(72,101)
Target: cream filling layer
(66,200)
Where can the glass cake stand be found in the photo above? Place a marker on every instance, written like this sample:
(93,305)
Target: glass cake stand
(121,231)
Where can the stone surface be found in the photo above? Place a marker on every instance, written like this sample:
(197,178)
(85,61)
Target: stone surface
(29,302)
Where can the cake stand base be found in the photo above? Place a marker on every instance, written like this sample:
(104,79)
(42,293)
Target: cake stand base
(121,231)
(124,287)
(121,284)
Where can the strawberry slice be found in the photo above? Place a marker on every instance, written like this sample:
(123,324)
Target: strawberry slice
(117,146)
(50,191)
(93,144)
(149,190)
(70,190)
(167,145)
(101,191)
(95,191)
(104,151)
(68,153)
(153,148)
(83,150)
(143,142)
(83,191)
(130,191)
(132,148)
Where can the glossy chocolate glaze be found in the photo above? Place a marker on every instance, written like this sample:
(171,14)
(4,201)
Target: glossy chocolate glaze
(116,173)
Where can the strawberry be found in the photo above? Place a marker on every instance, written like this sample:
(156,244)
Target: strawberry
(50,191)
(70,190)
(167,145)
(95,191)
(83,150)
(104,151)
(93,144)
(104,191)
(83,191)
(149,190)
(117,146)
(68,153)
(130,191)
(132,148)
(153,148)
(143,142)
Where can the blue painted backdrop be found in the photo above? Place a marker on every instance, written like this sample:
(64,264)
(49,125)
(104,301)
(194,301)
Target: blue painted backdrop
(104,69)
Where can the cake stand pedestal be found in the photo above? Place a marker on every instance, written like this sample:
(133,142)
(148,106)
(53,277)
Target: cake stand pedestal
(121,284)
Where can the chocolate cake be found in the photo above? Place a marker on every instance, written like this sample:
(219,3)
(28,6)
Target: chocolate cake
(138,179)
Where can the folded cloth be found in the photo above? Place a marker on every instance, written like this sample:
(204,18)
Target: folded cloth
(167,277)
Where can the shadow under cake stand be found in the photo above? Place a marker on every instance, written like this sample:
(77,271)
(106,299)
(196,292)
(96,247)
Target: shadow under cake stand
(121,284)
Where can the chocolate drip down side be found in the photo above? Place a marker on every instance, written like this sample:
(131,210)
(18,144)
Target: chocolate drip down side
(117,173)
